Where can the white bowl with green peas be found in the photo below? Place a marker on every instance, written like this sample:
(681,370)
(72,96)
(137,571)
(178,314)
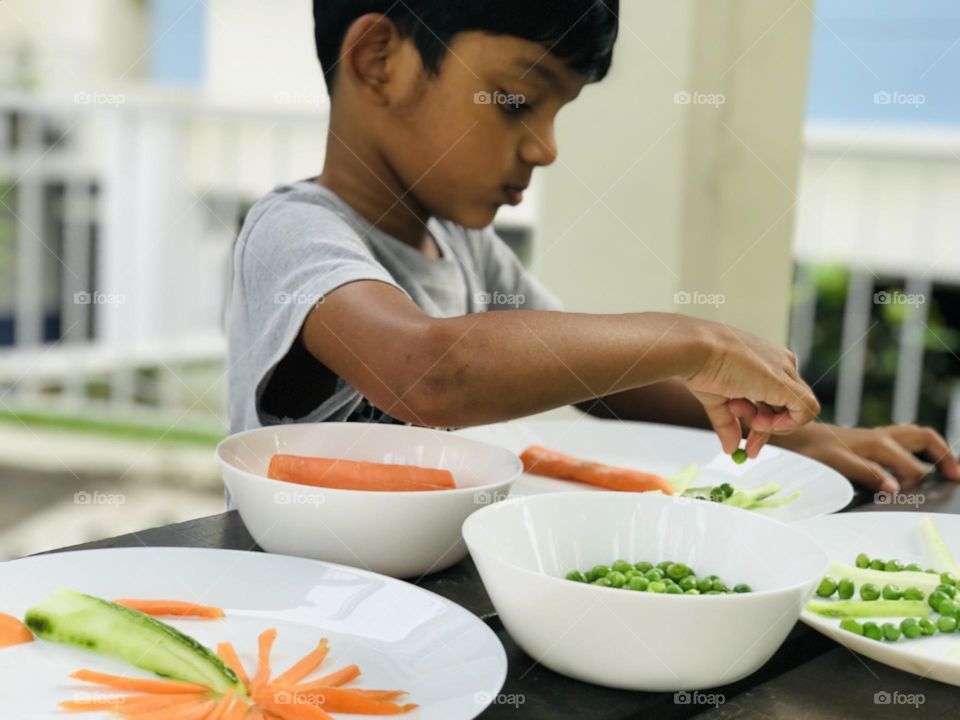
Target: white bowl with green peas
(645,638)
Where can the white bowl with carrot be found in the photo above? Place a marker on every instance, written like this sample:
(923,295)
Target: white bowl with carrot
(386,498)
(625,628)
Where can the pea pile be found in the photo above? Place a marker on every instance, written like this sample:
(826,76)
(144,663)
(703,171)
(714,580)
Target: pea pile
(907,601)
(667,577)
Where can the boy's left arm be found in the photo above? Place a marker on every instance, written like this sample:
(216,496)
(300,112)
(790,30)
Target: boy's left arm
(861,454)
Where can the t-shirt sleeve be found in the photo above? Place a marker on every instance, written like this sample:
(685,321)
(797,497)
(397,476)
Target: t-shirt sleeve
(509,285)
(292,257)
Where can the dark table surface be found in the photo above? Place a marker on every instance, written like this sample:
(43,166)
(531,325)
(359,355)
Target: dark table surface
(809,676)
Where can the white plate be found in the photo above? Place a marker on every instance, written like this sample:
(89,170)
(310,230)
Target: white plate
(664,449)
(887,535)
(400,635)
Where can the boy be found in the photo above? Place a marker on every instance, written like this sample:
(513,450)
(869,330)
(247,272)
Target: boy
(365,293)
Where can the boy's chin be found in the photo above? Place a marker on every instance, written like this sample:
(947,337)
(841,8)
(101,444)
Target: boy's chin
(473,218)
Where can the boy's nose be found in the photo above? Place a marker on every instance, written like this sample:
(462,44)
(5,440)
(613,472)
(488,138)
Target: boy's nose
(539,147)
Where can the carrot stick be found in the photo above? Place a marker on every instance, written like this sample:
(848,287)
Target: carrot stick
(264,646)
(221,707)
(139,684)
(306,665)
(357,475)
(193,711)
(13,632)
(334,679)
(128,704)
(228,654)
(380,694)
(345,700)
(176,608)
(283,705)
(550,463)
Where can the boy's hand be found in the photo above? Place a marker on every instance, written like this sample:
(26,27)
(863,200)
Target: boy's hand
(743,376)
(864,455)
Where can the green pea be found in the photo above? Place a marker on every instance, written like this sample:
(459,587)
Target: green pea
(704,585)
(727,489)
(597,571)
(910,628)
(687,583)
(892,592)
(621,566)
(653,575)
(893,566)
(691,591)
(948,607)
(891,632)
(869,591)
(674,590)
(948,590)
(927,626)
(845,589)
(713,592)
(872,631)
(863,560)
(716,495)
(913,593)
(851,625)
(638,583)
(577,576)
(937,597)
(742,588)
(932,571)
(602,582)
(677,571)
(719,586)
(662,566)
(877,564)
(657,587)
(913,567)
(948,578)
(946,623)
(827,587)
(616,579)
(739,456)
(631,573)
(643,566)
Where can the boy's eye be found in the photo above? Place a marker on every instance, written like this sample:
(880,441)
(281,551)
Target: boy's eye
(512,104)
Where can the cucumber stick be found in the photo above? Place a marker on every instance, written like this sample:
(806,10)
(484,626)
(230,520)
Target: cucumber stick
(70,617)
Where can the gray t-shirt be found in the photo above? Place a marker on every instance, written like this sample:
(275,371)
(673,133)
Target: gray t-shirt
(301,242)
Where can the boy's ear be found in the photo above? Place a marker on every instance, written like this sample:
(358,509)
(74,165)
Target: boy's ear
(366,54)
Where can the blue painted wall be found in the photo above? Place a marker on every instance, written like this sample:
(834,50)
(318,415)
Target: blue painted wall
(909,49)
(178,30)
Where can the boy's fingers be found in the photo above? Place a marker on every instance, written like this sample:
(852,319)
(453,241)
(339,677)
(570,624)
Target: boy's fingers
(893,455)
(930,443)
(868,473)
(725,424)
(755,442)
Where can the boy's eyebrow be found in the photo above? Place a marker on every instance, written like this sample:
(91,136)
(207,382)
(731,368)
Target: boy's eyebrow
(545,72)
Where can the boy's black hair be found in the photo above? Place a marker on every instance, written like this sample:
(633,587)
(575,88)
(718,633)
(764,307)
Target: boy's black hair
(579,32)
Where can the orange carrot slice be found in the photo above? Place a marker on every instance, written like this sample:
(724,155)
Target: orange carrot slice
(13,632)
(175,608)
(129,705)
(264,646)
(338,699)
(334,679)
(220,709)
(229,655)
(283,705)
(120,682)
(550,463)
(357,475)
(306,665)
(190,711)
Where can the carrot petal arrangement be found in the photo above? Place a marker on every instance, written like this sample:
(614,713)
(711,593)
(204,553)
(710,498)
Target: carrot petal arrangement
(289,696)
(171,608)
(13,632)
(539,460)
(357,475)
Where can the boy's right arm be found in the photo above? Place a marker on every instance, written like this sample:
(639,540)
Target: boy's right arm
(495,366)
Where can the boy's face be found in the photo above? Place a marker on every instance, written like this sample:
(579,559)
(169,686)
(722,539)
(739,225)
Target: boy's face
(466,141)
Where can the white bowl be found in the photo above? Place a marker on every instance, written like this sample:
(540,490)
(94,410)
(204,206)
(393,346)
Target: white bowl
(401,534)
(641,640)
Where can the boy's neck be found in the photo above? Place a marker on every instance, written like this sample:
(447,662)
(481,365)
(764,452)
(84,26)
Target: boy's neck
(390,210)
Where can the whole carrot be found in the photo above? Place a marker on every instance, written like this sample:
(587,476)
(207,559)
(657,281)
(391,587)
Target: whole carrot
(550,463)
(357,475)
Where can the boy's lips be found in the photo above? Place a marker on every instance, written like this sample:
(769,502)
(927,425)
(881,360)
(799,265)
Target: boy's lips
(514,194)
